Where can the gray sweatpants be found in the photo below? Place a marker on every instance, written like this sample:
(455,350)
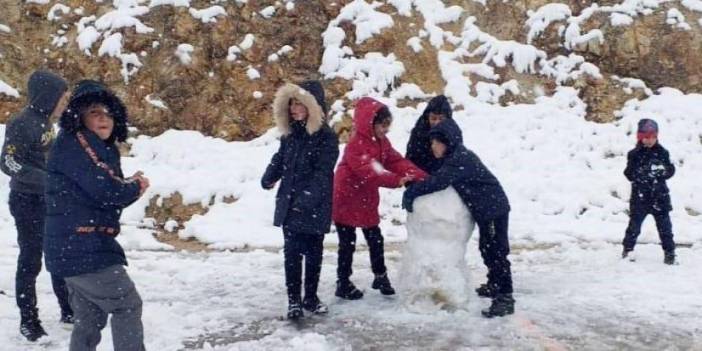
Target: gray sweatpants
(95,295)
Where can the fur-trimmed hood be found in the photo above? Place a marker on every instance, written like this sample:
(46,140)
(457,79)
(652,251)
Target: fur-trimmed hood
(88,92)
(311,94)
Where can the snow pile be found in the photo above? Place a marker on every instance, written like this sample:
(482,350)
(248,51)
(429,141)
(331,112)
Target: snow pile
(208,15)
(434,273)
(183,53)
(8,90)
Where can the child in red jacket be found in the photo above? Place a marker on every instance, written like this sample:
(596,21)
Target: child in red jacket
(369,162)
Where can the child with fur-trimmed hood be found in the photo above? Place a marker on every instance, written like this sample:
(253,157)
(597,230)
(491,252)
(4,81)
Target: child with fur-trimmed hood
(304,165)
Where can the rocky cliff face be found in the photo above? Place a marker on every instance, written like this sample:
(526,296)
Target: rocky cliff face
(213,66)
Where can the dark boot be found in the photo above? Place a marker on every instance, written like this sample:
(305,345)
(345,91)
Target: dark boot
(295,308)
(346,290)
(382,283)
(315,306)
(502,305)
(669,258)
(30,328)
(485,291)
(66,318)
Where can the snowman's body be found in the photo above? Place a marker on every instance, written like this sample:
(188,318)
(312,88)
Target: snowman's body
(434,272)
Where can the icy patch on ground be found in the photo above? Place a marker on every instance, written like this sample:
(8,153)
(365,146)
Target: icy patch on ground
(434,273)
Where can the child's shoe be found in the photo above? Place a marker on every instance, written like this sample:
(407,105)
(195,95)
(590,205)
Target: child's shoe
(346,290)
(32,329)
(315,306)
(382,283)
(502,305)
(669,258)
(295,309)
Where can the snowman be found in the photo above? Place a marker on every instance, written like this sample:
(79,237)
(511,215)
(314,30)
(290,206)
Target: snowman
(434,273)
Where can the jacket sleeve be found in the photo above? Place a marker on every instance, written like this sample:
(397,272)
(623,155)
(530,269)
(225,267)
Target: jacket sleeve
(633,170)
(370,170)
(438,181)
(668,170)
(14,152)
(106,191)
(399,165)
(275,168)
(322,175)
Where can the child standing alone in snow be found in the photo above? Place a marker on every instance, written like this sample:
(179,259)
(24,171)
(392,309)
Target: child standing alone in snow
(487,202)
(369,162)
(648,167)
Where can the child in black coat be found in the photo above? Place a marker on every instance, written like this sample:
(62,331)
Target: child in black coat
(648,167)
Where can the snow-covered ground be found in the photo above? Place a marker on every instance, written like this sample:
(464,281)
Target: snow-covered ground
(563,177)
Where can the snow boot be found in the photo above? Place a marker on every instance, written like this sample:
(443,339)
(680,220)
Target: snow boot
(669,258)
(502,305)
(485,291)
(66,320)
(315,306)
(295,309)
(382,283)
(628,254)
(31,329)
(346,290)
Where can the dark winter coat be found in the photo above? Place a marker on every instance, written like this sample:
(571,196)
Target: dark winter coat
(648,169)
(85,192)
(29,134)
(462,169)
(419,145)
(304,163)
(368,164)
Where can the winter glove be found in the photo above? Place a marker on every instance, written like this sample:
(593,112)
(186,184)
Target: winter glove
(656,170)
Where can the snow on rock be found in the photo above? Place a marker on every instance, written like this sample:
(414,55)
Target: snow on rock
(677,19)
(620,19)
(252,73)
(257,94)
(40,2)
(183,52)
(125,16)
(363,15)
(540,19)
(57,11)
(633,83)
(158,103)
(87,34)
(111,46)
(434,273)
(233,53)
(268,12)
(409,91)
(434,13)
(8,90)
(208,15)
(4,28)
(247,42)
(415,43)
(177,3)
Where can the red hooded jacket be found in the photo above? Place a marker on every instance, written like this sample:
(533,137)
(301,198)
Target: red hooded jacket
(368,164)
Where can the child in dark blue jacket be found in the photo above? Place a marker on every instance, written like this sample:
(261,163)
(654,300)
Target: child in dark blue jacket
(487,202)
(648,167)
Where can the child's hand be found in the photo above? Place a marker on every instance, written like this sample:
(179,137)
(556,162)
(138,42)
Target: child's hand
(406,179)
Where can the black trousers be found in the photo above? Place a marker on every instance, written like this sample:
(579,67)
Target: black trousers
(29,211)
(494,248)
(297,246)
(347,246)
(665,229)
